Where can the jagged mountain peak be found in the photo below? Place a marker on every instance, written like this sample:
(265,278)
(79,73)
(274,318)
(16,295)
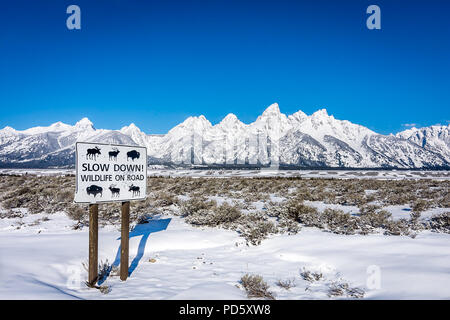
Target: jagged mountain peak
(60,126)
(84,123)
(230,117)
(230,124)
(198,124)
(8,129)
(130,128)
(197,121)
(431,130)
(54,127)
(272,116)
(273,109)
(321,113)
(435,138)
(298,116)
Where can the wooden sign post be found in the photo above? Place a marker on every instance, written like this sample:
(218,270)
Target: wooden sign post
(93,244)
(109,173)
(124,240)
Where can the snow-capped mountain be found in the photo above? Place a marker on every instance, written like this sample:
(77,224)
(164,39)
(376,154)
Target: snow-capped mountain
(53,145)
(273,139)
(433,138)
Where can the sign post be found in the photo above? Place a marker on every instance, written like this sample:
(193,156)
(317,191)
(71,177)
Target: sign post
(109,173)
(93,244)
(124,240)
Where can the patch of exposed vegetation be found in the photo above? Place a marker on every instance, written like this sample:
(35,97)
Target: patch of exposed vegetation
(256,287)
(440,223)
(196,200)
(311,276)
(338,289)
(286,284)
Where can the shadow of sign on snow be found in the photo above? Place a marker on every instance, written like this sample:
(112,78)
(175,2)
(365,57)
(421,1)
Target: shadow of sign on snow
(144,230)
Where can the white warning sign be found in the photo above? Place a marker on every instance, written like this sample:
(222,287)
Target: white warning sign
(107,172)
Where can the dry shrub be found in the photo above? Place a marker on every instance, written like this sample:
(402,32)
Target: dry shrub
(337,289)
(256,287)
(64,195)
(286,284)
(11,203)
(255,232)
(339,222)
(398,228)
(288,226)
(207,213)
(77,212)
(440,222)
(311,276)
(10,214)
(420,206)
(226,213)
(254,227)
(164,199)
(292,212)
(104,269)
(196,206)
(297,211)
(374,217)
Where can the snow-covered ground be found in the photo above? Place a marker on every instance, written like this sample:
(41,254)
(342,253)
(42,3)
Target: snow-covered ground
(269,172)
(41,257)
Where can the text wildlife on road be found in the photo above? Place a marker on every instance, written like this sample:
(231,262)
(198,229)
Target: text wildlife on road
(115,192)
(136,190)
(113,154)
(133,154)
(94,190)
(92,153)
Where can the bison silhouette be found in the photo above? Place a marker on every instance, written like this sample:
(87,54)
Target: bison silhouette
(136,190)
(133,154)
(94,190)
(92,153)
(113,154)
(115,192)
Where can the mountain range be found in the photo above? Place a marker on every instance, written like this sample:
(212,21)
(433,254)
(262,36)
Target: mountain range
(273,140)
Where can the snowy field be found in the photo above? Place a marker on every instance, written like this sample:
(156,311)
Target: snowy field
(42,254)
(336,174)
(44,261)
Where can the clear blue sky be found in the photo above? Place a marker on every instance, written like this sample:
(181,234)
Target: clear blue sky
(156,62)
